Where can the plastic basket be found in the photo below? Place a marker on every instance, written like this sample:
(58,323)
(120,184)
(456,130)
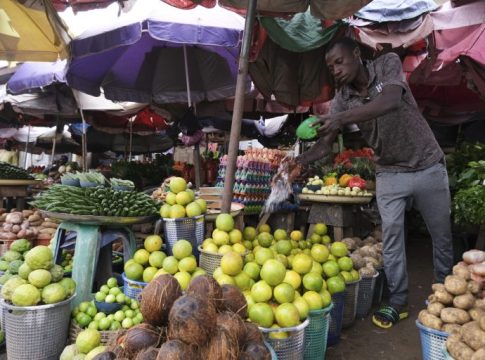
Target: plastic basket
(190,229)
(379,287)
(446,354)
(316,333)
(271,350)
(132,288)
(209,261)
(75,329)
(432,342)
(36,332)
(350,306)
(291,348)
(336,318)
(365,295)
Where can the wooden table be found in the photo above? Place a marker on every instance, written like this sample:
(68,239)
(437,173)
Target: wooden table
(336,211)
(17,189)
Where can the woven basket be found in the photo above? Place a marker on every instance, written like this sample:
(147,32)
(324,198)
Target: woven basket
(75,329)
(291,348)
(316,334)
(36,332)
(350,306)
(432,342)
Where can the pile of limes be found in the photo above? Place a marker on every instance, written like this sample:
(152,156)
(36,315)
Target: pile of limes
(181,202)
(225,238)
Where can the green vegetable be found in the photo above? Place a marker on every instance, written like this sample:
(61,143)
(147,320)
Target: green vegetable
(21,245)
(8,171)
(469,205)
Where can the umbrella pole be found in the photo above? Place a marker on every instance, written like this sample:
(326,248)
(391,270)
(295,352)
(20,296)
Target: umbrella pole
(238,108)
(27,148)
(84,146)
(131,140)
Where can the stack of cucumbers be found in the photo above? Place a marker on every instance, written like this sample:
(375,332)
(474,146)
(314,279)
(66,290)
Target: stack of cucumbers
(98,201)
(8,171)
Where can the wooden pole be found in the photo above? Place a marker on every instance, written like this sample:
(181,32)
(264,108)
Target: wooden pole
(238,108)
(198,180)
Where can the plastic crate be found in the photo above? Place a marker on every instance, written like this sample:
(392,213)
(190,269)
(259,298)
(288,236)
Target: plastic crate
(365,295)
(291,348)
(190,229)
(350,306)
(36,332)
(132,288)
(336,318)
(316,333)
(432,342)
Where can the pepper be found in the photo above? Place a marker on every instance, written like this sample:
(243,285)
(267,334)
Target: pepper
(344,180)
(357,181)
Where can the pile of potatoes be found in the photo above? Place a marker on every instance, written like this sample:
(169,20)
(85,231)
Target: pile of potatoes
(366,254)
(457,308)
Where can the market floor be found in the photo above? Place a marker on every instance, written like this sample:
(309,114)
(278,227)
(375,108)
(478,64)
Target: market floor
(364,341)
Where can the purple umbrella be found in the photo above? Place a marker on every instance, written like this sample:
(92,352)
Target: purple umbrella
(158,53)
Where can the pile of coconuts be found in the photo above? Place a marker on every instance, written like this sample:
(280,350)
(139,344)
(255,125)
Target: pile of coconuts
(206,322)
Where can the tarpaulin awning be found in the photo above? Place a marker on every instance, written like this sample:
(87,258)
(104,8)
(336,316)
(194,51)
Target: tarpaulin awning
(31,31)
(303,32)
(392,10)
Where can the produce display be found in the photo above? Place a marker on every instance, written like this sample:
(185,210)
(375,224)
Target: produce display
(181,202)
(199,324)
(12,260)
(255,169)
(12,172)
(366,254)
(97,201)
(150,262)
(346,185)
(457,307)
(112,310)
(39,280)
(285,276)
(224,237)
(20,225)
(47,229)
(87,346)
(67,260)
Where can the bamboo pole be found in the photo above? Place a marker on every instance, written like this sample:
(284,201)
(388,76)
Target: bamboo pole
(238,108)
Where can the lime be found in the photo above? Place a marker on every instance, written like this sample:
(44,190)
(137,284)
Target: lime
(112,282)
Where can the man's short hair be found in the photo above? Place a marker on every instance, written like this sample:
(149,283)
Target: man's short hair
(346,42)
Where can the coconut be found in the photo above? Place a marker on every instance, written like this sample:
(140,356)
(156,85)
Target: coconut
(148,354)
(176,350)
(192,320)
(234,300)
(255,351)
(140,337)
(157,299)
(350,243)
(369,240)
(206,286)
(253,334)
(232,323)
(357,260)
(222,346)
(371,260)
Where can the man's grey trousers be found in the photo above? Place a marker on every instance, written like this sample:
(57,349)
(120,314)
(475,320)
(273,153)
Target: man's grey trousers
(428,191)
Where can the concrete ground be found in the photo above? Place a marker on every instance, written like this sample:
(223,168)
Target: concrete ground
(364,341)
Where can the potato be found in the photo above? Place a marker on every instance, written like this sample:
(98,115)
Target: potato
(476,313)
(465,301)
(434,308)
(479,354)
(441,296)
(480,303)
(481,322)
(429,320)
(451,328)
(458,350)
(472,335)
(454,316)
(455,285)
(474,287)
(462,271)
(437,287)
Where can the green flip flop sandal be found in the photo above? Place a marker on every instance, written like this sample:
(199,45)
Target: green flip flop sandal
(387,316)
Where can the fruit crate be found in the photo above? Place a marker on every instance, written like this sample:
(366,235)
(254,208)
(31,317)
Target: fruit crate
(290,348)
(75,329)
(132,288)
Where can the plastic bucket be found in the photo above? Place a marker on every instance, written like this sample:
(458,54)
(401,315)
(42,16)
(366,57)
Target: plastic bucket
(290,348)
(432,342)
